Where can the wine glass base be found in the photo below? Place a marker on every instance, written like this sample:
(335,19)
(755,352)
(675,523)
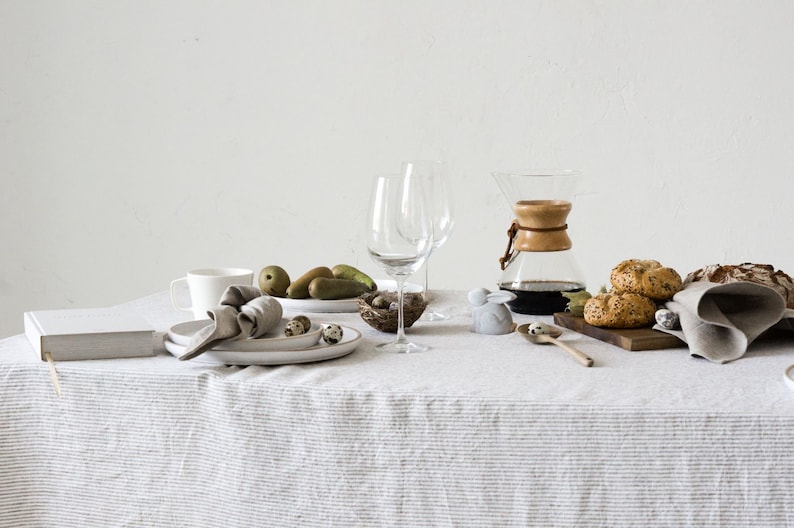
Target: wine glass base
(401,347)
(433,316)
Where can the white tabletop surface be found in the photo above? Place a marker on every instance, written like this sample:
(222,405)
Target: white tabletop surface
(464,363)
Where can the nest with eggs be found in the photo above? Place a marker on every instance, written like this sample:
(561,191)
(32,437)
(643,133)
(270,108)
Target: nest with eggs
(379,309)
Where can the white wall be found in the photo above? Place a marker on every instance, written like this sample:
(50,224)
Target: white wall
(142,138)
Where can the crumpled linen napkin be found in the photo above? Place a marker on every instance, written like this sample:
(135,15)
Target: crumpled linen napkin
(719,321)
(244,312)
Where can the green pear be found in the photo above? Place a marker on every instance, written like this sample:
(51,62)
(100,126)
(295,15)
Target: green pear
(274,280)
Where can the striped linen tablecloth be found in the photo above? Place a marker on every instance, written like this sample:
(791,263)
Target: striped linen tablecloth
(479,431)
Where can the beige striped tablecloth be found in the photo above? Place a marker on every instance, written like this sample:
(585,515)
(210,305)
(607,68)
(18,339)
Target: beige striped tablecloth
(479,431)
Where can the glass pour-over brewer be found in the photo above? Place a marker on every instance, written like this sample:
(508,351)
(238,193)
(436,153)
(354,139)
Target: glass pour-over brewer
(538,265)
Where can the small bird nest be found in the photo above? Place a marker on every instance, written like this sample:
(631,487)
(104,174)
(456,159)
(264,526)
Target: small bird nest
(379,309)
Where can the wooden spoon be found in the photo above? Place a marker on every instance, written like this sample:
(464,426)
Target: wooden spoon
(551,337)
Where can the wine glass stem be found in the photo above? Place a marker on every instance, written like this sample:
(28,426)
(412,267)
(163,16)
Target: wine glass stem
(400,321)
(427,288)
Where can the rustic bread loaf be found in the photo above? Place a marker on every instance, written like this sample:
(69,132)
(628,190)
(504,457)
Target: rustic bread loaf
(646,277)
(619,310)
(759,273)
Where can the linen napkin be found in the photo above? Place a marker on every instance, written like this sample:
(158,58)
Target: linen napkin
(719,321)
(244,312)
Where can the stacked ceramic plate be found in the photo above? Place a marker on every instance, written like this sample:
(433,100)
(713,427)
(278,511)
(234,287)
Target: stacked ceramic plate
(274,348)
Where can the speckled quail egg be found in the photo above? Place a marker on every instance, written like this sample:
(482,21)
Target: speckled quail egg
(332,334)
(380,302)
(305,321)
(294,328)
(666,318)
(537,327)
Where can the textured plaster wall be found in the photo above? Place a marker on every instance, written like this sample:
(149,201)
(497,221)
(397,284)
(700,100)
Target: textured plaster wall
(139,139)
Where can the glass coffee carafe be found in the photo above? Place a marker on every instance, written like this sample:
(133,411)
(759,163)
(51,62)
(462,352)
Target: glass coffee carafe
(538,265)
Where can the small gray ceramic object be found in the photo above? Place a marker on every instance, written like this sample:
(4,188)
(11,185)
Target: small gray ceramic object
(489,313)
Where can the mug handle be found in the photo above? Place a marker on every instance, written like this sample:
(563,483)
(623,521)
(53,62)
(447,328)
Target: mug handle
(173,295)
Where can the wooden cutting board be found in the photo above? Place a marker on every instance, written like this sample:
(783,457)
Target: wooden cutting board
(627,338)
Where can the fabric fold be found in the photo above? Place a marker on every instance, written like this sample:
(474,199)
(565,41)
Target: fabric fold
(720,321)
(244,312)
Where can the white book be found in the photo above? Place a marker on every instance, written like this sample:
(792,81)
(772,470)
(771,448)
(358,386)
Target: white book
(91,333)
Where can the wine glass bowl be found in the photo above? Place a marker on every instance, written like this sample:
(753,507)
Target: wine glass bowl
(436,178)
(400,238)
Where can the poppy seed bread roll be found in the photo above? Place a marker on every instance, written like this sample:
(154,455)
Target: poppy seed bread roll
(646,277)
(619,310)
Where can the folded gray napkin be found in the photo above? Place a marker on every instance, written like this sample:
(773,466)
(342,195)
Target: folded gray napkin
(719,321)
(244,312)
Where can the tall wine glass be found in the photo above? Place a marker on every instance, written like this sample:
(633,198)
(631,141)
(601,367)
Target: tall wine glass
(435,173)
(400,239)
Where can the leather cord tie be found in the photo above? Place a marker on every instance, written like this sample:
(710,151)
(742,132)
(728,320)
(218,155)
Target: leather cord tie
(515,227)
(541,229)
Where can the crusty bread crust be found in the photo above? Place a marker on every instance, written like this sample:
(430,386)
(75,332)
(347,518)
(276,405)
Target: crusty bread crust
(619,310)
(759,273)
(646,277)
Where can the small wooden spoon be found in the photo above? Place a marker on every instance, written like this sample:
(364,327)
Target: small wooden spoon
(551,337)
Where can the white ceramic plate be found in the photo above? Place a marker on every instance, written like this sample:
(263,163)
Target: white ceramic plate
(789,377)
(340,305)
(319,352)
(318,306)
(181,334)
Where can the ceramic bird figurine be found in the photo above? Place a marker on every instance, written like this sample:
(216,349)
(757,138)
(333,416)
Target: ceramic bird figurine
(489,313)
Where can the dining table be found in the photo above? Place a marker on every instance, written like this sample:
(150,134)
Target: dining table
(478,431)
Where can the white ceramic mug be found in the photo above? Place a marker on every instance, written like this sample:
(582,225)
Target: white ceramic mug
(206,288)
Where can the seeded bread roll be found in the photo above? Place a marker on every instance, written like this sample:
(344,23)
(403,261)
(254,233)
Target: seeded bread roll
(646,277)
(759,273)
(619,310)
